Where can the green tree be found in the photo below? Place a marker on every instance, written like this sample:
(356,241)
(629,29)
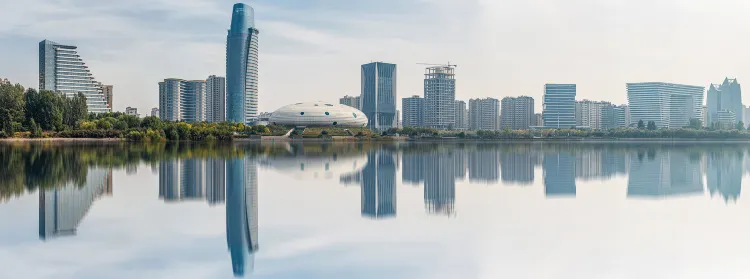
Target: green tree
(740,125)
(152,122)
(11,107)
(641,125)
(651,125)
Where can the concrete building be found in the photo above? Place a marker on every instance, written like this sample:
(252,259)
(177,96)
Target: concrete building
(413,111)
(462,116)
(591,114)
(517,113)
(746,116)
(559,106)
(132,111)
(155,112)
(216,99)
(182,100)
(668,105)
(378,96)
(439,97)
(242,66)
(352,101)
(622,116)
(727,95)
(484,114)
(538,120)
(107,90)
(725,119)
(63,71)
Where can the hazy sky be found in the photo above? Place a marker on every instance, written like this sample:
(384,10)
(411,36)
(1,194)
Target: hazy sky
(312,49)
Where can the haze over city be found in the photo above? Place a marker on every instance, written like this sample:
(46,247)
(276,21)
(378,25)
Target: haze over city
(313,50)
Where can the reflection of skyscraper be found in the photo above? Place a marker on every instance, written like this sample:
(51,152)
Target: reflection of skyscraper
(379,185)
(724,175)
(215,180)
(413,169)
(440,182)
(559,174)
(666,173)
(62,209)
(242,213)
(483,165)
(191,179)
(517,167)
(169,180)
(459,161)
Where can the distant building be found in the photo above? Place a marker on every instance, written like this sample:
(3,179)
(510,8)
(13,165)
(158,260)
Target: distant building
(182,100)
(538,120)
(666,104)
(155,112)
(439,97)
(704,116)
(727,95)
(107,90)
(559,106)
(590,114)
(216,99)
(132,112)
(484,114)
(352,101)
(462,116)
(622,116)
(413,109)
(746,116)
(62,70)
(379,95)
(517,113)
(242,66)
(725,119)
(4,81)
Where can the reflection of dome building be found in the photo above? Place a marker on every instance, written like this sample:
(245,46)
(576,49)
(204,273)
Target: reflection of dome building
(318,114)
(322,167)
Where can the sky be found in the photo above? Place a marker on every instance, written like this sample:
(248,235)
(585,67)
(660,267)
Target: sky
(311,50)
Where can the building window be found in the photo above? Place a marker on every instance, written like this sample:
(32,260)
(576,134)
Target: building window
(327,113)
(302,113)
(335,123)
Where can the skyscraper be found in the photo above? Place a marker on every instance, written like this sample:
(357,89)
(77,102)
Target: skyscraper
(107,90)
(379,95)
(728,95)
(439,97)
(62,70)
(182,100)
(517,113)
(484,114)
(352,101)
(242,66)
(592,114)
(668,105)
(559,106)
(462,116)
(216,99)
(413,111)
(170,91)
(622,116)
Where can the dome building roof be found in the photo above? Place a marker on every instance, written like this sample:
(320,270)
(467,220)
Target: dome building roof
(318,114)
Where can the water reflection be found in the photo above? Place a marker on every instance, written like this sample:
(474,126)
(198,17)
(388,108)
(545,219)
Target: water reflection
(70,179)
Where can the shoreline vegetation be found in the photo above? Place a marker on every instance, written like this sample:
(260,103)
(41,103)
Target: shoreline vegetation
(26,114)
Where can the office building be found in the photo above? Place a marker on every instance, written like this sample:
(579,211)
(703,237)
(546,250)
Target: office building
(462,116)
(155,112)
(559,106)
(62,70)
(727,95)
(242,66)
(413,111)
(666,104)
(107,90)
(352,101)
(439,97)
(132,111)
(216,99)
(517,113)
(378,98)
(484,114)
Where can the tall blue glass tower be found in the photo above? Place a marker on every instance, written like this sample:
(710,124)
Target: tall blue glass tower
(379,95)
(242,66)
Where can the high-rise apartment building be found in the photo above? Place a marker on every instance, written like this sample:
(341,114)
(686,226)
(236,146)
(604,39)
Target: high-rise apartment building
(62,70)
(216,99)
(182,100)
(107,90)
(352,101)
(378,98)
(439,97)
(413,109)
(727,95)
(622,116)
(668,105)
(242,66)
(517,113)
(591,114)
(484,114)
(559,106)
(462,116)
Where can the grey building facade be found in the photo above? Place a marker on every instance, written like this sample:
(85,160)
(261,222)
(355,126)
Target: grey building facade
(484,114)
(517,113)
(62,70)
(413,111)
(378,96)
(668,105)
(216,99)
(439,97)
(559,106)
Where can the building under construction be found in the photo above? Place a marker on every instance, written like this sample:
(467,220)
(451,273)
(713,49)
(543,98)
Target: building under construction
(440,97)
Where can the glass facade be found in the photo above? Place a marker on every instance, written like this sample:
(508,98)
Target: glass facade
(62,70)
(668,105)
(242,66)
(379,95)
(559,106)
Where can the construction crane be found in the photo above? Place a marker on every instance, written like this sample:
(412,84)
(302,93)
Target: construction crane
(441,65)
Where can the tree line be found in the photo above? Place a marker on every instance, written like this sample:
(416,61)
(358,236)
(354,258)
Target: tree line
(36,111)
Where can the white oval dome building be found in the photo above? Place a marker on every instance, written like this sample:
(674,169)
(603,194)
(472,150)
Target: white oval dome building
(318,114)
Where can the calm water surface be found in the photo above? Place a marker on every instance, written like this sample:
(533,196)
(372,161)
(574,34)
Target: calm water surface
(474,210)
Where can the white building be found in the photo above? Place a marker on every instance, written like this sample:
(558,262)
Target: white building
(439,97)
(412,109)
(462,116)
(484,114)
(666,104)
(517,113)
(592,114)
(132,112)
(216,99)
(182,100)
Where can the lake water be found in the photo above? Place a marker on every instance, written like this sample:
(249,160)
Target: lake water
(350,210)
